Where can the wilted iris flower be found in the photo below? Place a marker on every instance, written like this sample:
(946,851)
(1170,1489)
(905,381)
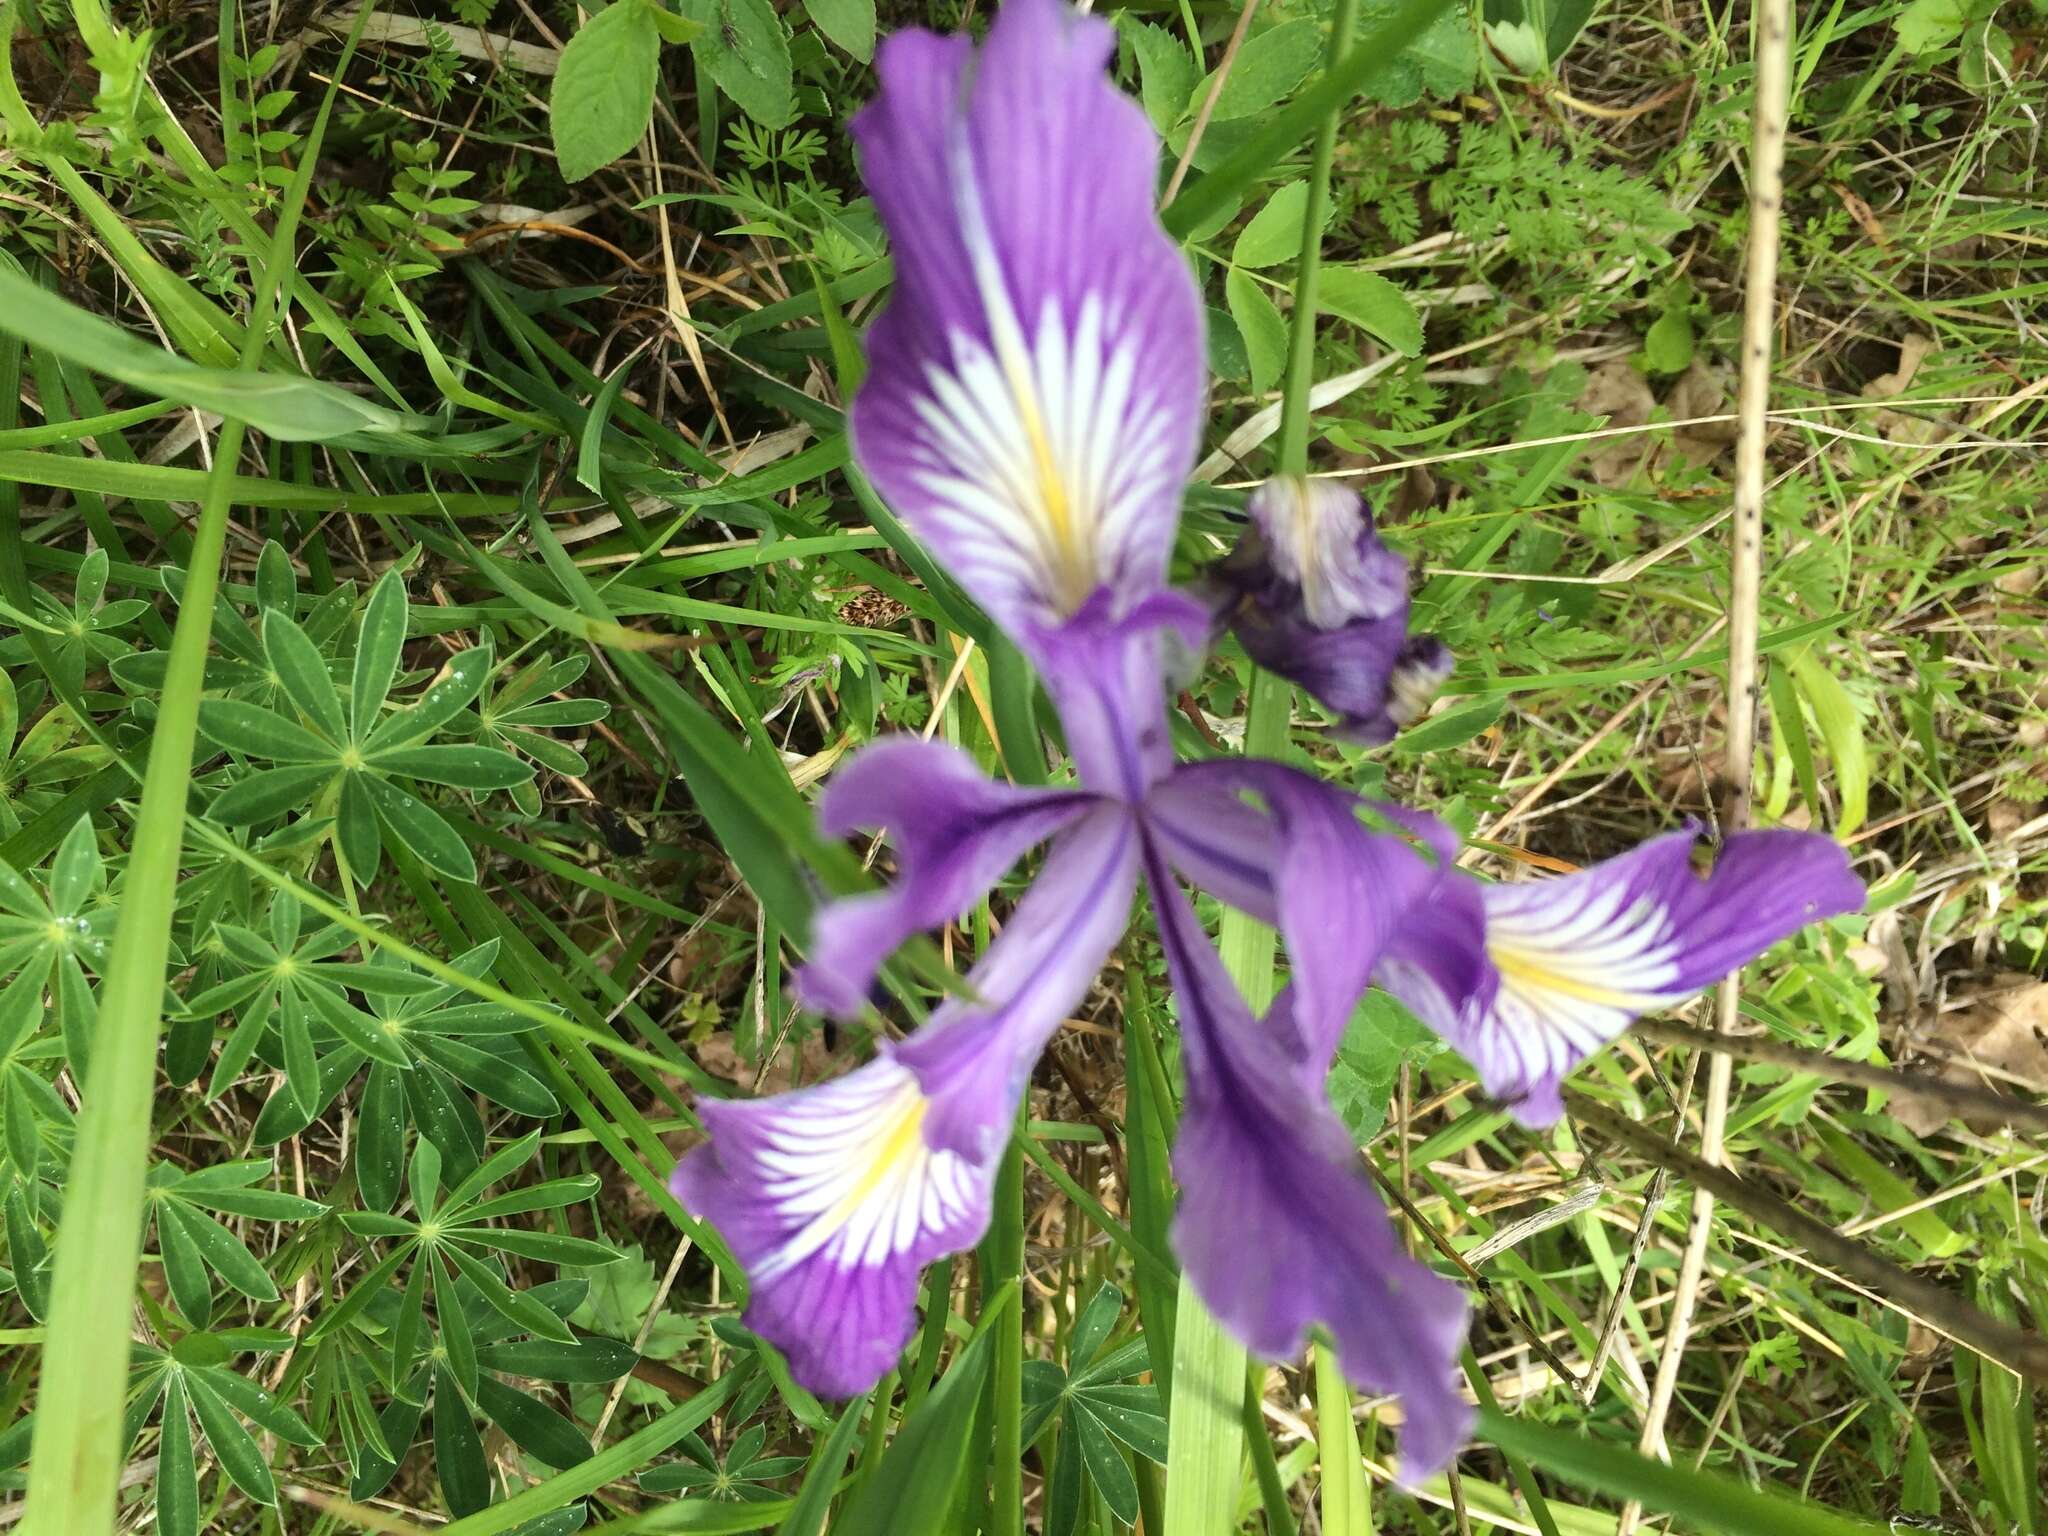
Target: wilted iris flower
(1312,594)
(1032,413)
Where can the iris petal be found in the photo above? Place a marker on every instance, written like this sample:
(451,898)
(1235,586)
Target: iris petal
(1575,960)
(1036,381)
(834,1197)
(1277,1227)
(957,832)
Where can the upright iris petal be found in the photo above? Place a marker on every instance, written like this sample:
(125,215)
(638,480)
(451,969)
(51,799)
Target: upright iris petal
(1037,382)
(1313,595)
(1573,961)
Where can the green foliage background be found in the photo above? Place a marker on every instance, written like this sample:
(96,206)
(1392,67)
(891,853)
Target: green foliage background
(496,357)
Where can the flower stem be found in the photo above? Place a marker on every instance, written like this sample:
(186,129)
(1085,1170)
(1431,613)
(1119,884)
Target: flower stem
(1006,1262)
(1301,348)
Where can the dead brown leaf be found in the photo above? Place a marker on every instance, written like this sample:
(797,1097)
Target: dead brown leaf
(2000,1038)
(1702,391)
(1622,395)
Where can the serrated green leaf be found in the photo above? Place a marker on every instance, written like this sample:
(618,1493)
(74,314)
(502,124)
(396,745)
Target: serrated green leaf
(746,52)
(1379,1038)
(1167,72)
(849,23)
(1372,303)
(603,95)
(1274,233)
(1260,324)
(1267,68)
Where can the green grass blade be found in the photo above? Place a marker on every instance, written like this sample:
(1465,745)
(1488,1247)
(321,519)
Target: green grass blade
(1299,119)
(77,1447)
(606,1467)
(1702,1501)
(79,1439)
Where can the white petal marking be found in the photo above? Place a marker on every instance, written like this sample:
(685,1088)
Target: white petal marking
(854,1168)
(1576,966)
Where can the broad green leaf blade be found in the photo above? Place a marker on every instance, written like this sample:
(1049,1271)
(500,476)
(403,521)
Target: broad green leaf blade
(458,1449)
(1703,1501)
(1841,728)
(603,94)
(177,1484)
(1259,322)
(1205,1445)
(608,1466)
(746,51)
(1274,233)
(302,673)
(261,733)
(377,652)
(1373,304)
(240,1457)
(849,23)
(279,405)
(807,1516)
(460,765)
(537,1429)
(913,1486)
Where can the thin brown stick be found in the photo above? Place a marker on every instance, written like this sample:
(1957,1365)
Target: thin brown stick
(1653,1202)
(2024,1354)
(1187,156)
(1963,1098)
(1773,44)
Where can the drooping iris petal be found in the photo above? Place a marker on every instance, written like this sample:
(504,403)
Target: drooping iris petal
(834,1202)
(1337,889)
(1037,377)
(975,1059)
(1576,959)
(1313,595)
(1277,1227)
(835,1197)
(956,831)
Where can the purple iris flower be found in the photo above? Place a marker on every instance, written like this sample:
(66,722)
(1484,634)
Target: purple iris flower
(1032,412)
(1312,594)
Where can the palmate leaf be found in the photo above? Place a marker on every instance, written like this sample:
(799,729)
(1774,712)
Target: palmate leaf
(378,647)
(177,1487)
(457,686)
(1098,1409)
